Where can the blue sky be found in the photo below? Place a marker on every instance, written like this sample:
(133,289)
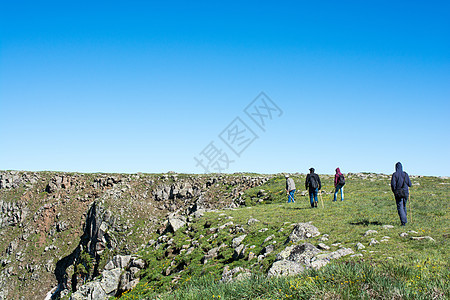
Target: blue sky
(145,87)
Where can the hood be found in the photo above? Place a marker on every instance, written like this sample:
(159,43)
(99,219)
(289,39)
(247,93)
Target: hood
(398,167)
(338,171)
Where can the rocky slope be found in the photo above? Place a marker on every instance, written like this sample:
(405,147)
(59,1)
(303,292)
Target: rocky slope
(59,230)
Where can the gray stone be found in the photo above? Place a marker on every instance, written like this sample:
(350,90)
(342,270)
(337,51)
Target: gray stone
(252,221)
(360,246)
(131,285)
(285,268)
(225,225)
(238,240)
(373,242)
(235,274)
(323,246)
(420,238)
(110,281)
(89,291)
(323,239)
(388,226)
(12,247)
(370,232)
(239,252)
(213,253)
(299,253)
(268,249)
(121,261)
(403,234)
(176,222)
(138,263)
(270,237)
(357,255)
(301,232)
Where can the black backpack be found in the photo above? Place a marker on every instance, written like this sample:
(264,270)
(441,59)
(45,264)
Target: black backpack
(400,192)
(341,180)
(313,182)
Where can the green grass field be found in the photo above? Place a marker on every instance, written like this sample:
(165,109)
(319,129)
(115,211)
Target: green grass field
(395,268)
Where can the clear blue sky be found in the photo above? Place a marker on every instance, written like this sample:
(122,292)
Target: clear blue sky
(140,87)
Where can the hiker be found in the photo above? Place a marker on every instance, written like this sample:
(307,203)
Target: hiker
(290,188)
(339,181)
(313,184)
(399,185)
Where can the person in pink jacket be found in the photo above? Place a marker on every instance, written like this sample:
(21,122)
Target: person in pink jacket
(339,181)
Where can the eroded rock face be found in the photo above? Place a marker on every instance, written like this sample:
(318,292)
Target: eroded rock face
(14,179)
(12,213)
(118,276)
(69,215)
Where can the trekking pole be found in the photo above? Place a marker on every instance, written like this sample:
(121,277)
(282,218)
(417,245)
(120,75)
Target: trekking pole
(410,209)
(321,198)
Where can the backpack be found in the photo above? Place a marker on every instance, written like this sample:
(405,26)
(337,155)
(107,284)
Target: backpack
(313,182)
(341,180)
(400,191)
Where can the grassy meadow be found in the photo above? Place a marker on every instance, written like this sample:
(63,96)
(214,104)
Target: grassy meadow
(394,268)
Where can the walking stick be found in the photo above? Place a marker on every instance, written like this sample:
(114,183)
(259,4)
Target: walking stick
(410,209)
(321,198)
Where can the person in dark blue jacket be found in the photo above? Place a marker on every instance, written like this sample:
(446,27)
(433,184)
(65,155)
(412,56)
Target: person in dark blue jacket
(313,183)
(399,185)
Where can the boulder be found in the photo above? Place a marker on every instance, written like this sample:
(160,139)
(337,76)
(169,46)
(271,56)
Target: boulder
(285,268)
(294,259)
(239,252)
(138,263)
(118,261)
(370,232)
(238,240)
(175,222)
(373,242)
(235,274)
(110,281)
(322,246)
(300,253)
(301,232)
(252,221)
(268,249)
(360,246)
(420,238)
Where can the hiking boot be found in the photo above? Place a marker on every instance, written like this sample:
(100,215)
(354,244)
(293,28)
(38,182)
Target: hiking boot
(315,204)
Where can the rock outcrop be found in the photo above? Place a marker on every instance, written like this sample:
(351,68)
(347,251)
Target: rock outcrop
(57,227)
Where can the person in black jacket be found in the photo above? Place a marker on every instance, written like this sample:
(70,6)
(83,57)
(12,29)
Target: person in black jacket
(313,184)
(399,185)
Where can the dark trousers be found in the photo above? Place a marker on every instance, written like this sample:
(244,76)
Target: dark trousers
(401,209)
